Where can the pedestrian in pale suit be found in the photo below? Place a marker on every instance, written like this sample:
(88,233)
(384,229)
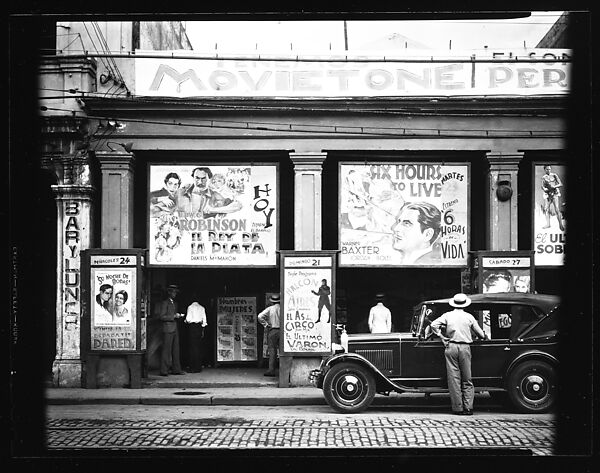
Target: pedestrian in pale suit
(459,327)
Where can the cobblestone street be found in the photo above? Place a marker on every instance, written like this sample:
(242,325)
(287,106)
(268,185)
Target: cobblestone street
(291,428)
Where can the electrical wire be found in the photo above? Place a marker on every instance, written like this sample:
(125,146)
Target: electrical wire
(402,113)
(100,56)
(105,48)
(360,58)
(335,129)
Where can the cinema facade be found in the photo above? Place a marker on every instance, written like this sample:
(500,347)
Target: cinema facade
(310,158)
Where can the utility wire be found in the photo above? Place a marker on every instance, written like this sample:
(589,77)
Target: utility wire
(98,54)
(104,44)
(202,103)
(336,129)
(360,58)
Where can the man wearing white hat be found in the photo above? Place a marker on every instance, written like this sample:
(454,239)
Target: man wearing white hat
(269,318)
(459,326)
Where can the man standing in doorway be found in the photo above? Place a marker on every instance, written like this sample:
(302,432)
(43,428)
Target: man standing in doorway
(269,318)
(167,313)
(196,321)
(457,339)
(380,317)
(323,293)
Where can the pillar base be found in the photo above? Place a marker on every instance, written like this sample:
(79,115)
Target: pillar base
(294,372)
(67,373)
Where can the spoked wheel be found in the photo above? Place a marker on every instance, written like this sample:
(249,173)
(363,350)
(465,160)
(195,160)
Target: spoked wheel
(349,387)
(532,387)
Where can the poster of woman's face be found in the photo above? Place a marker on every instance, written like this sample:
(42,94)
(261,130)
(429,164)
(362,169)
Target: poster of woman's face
(505,280)
(112,297)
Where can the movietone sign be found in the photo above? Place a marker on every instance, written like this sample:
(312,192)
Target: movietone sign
(182,77)
(213,215)
(404,214)
(549,224)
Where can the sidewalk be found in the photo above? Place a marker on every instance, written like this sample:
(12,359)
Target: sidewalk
(212,386)
(231,386)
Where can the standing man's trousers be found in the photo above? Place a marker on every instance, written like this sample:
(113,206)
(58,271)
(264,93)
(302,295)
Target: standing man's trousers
(458,368)
(169,360)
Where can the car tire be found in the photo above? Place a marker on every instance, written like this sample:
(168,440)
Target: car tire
(532,387)
(349,387)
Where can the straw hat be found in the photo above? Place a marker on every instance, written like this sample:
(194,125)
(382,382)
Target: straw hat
(460,300)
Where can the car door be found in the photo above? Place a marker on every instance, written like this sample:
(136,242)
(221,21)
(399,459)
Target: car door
(422,360)
(489,358)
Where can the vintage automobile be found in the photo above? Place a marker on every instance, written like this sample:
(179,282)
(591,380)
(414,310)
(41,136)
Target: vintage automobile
(518,362)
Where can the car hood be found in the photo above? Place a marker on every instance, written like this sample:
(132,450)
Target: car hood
(357,337)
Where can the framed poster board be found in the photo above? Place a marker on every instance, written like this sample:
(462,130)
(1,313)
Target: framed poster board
(237,329)
(404,214)
(548,210)
(113,300)
(504,271)
(307,301)
(206,214)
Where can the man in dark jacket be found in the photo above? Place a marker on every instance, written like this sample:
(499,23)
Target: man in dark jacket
(168,313)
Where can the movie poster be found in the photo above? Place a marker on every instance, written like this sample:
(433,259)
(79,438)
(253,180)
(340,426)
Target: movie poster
(113,309)
(498,280)
(404,214)
(549,224)
(237,332)
(307,299)
(213,215)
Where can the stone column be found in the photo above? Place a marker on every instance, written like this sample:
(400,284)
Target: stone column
(307,200)
(308,168)
(74,217)
(502,231)
(117,198)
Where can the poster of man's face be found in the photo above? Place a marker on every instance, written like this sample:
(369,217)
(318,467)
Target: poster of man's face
(213,215)
(506,280)
(404,214)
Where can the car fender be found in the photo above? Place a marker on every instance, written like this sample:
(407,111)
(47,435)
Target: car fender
(383,382)
(530,355)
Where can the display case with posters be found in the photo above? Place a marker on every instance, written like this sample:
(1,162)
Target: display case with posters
(216,215)
(404,214)
(308,315)
(548,210)
(502,271)
(114,309)
(237,330)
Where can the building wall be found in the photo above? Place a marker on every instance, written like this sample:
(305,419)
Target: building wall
(163,35)
(218,129)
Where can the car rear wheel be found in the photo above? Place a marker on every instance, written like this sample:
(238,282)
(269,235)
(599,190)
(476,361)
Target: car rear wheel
(532,387)
(349,387)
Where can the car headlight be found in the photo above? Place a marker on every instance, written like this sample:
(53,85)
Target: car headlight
(337,348)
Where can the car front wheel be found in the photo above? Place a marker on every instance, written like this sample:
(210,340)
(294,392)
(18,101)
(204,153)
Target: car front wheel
(349,387)
(532,387)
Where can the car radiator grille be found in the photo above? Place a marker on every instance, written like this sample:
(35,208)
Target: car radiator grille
(383,359)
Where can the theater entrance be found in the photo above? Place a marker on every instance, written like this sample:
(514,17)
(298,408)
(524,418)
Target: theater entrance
(232,340)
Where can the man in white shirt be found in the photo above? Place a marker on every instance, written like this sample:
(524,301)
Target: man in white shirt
(269,318)
(380,317)
(196,321)
(459,326)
